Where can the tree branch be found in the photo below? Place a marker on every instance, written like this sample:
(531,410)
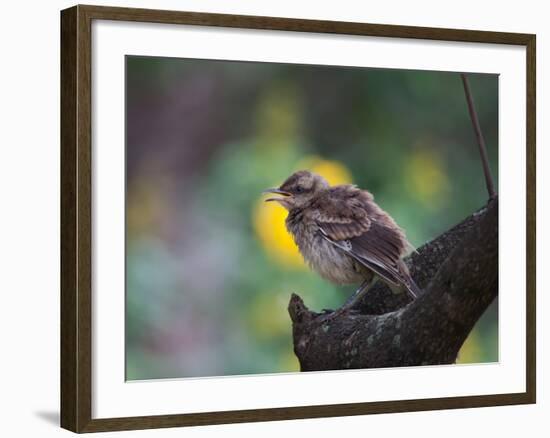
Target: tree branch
(459,274)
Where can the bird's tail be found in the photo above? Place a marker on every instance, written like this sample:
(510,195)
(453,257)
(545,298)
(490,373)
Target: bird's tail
(412,288)
(408,283)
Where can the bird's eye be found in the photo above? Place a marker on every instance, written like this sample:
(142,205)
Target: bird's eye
(299,189)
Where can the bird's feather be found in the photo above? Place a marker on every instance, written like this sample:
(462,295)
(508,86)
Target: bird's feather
(355,224)
(393,273)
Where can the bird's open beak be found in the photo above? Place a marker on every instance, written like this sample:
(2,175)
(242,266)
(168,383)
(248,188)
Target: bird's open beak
(278,192)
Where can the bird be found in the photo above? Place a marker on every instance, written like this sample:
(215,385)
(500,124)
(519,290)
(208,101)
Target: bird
(343,235)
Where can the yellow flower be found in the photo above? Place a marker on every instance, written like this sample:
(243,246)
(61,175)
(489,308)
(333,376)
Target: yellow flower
(289,362)
(146,206)
(470,352)
(269,218)
(268,317)
(426,173)
(278,116)
(269,224)
(333,171)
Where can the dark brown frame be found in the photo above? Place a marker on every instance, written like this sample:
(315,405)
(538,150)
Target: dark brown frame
(76,236)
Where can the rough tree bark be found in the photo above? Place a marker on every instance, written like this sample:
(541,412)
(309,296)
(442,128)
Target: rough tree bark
(458,272)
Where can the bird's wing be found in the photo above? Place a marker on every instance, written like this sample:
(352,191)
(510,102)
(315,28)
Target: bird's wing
(343,213)
(376,246)
(349,219)
(342,228)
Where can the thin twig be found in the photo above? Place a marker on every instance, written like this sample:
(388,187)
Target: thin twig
(479,135)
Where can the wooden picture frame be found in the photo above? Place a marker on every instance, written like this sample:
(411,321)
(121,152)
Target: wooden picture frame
(76,217)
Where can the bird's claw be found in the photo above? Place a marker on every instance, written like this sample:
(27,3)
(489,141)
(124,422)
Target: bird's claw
(342,311)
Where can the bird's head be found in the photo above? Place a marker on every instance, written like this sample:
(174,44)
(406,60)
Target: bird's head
(298,189)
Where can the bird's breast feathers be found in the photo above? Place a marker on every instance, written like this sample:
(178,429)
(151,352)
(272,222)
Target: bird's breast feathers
(329,261)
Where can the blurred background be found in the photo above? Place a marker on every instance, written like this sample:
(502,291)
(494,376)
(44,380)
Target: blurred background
(210,267)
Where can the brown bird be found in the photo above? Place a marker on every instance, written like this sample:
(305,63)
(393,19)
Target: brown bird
(344,235)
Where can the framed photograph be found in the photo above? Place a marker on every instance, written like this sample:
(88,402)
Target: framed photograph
(269,218)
